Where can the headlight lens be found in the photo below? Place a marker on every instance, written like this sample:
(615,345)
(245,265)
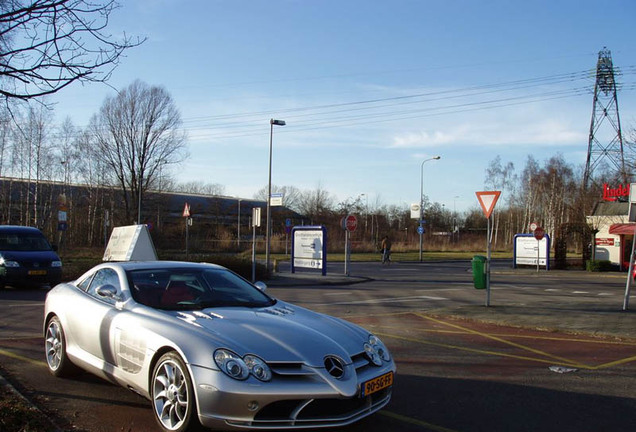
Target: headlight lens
(258,368)
(231,364)
(56,263)
(376,351)
(241,368)
(8,263)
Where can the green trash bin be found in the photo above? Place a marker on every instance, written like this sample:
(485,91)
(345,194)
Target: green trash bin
(479,271)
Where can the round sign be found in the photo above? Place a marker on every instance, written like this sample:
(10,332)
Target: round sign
(420,229)
(351,223)
(539,233)
(533,226)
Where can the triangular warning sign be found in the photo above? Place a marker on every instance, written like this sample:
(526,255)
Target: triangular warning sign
(487,201)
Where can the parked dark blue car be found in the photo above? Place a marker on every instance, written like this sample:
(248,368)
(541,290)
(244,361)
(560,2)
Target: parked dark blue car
(27,258)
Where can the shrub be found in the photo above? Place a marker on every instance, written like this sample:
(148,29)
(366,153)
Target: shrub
(598,265)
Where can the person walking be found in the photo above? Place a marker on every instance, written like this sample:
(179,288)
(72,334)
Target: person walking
(386,250)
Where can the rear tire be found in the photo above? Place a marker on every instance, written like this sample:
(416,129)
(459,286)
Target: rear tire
(55,349)
(172,395)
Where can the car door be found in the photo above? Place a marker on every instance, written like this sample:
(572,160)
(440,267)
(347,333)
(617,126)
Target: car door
(93,319)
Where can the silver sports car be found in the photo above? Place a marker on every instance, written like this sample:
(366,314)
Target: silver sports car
(208,348)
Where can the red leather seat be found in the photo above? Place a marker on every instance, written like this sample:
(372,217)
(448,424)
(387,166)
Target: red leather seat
(176,291)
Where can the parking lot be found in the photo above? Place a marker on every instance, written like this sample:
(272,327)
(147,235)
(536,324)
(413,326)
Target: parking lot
(553,352)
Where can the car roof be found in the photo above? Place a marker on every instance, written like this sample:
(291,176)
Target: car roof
(18,229)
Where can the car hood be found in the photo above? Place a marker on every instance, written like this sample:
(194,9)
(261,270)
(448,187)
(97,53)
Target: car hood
(279,333)
(39,256)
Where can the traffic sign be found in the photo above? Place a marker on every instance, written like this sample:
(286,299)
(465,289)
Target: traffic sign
(533,226)
(186,211)
(487,201)
(539,233)
(420,230)
(351,223)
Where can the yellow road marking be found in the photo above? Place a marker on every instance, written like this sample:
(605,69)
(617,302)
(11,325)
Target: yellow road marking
(478,351)
(413,421)
(517,336)
(13,355)
(494,336)
(507,342)
(615,363)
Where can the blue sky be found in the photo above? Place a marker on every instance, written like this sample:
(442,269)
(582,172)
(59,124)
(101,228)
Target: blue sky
(370,89)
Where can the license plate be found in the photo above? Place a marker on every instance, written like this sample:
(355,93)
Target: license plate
(376,384)
(37,272)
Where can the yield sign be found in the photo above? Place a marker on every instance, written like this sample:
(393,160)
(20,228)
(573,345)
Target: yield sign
(487,201)
(186,210)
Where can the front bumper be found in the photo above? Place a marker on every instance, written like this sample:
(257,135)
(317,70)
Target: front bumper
(306,401)
(17,276)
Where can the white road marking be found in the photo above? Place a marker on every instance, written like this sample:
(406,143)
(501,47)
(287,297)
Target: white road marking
(385,300)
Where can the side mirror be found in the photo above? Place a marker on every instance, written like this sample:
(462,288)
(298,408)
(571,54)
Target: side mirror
(107,291)
(260,285)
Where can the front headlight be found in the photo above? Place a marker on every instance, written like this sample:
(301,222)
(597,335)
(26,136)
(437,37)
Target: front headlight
(56,263)
(8,263)
(240,368)
(258,368)
(376,351)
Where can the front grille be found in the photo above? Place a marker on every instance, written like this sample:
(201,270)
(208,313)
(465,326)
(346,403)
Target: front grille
(35,264)
(319,412)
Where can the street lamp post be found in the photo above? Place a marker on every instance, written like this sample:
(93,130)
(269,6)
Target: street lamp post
(421,231)
(272,122)
(238,226)
(139,202)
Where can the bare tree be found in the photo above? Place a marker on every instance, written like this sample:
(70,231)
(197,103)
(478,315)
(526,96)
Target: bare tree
(137,133)
(199,188)
(46,45)
(316,204)
(291,194)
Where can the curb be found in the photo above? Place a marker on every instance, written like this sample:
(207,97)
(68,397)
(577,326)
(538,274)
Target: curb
(7,385)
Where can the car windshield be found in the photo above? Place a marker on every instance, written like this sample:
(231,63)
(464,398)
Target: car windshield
(16,242)
(187,288)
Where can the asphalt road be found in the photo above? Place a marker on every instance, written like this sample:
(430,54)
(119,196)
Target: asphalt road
(553,366)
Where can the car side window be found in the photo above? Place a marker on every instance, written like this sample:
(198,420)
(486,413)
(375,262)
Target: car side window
(104,277)
(84,283)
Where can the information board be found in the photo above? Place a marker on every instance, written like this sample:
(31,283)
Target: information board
(309,248)
(525,251)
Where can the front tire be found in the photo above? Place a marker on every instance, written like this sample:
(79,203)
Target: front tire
(172,395)
(55,349)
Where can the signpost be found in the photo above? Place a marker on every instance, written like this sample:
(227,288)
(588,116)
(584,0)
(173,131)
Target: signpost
(256,222)
(631,217)
(188,222)
(487,201)
(349,224)
(538,233)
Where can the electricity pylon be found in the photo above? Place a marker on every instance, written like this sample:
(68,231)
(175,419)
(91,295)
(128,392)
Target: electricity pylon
(606,139)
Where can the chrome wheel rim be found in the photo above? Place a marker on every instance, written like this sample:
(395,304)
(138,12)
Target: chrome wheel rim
(170,395)
(54,346)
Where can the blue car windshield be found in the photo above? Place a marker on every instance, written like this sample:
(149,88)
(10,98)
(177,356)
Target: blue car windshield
(21,242)
(188,288)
